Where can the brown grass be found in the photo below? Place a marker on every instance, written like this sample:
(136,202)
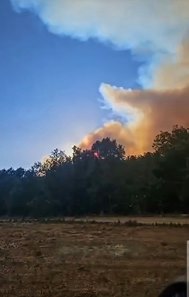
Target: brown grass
(87,260)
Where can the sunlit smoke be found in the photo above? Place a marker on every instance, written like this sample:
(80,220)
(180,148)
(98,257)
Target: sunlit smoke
(160,109)
(155,31)
(149,28)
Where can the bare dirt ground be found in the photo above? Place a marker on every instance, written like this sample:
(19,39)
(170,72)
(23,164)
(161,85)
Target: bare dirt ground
(88,260)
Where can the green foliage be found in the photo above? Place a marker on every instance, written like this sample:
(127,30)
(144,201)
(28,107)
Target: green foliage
(102,180)
(172,168)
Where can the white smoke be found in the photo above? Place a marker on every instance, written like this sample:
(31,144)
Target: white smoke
(148,28)
(156,31)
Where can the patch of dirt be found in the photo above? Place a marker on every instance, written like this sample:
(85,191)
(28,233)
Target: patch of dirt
(89,260)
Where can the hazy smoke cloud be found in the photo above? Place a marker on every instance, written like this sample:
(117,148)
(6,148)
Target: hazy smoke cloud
(151,110)
(118,131)
(149,27)
(154,110)
(155,30)
(174,74)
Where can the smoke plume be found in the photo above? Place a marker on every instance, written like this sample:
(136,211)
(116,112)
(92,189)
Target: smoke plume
(157,32)
(153,110)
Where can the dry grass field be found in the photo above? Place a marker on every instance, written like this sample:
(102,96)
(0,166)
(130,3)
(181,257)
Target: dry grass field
(72,259)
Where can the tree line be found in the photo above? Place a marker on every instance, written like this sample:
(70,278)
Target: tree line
(102,180)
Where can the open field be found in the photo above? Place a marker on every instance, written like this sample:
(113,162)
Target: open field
(87,260)
(144,220)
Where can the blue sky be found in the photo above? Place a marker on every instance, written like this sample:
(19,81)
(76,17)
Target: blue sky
(49,86)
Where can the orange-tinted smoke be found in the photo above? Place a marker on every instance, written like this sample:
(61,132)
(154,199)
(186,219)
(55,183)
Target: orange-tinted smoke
(151,110)
(156,111)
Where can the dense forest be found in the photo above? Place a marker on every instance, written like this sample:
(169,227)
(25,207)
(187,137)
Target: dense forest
(102,180)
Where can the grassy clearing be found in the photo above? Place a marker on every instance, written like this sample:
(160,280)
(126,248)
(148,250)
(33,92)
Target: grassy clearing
(89,259)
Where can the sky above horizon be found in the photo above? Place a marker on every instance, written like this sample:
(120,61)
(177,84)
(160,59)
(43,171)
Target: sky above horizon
(49,86)
(72,72)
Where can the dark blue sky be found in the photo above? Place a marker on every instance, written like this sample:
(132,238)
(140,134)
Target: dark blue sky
(49,87)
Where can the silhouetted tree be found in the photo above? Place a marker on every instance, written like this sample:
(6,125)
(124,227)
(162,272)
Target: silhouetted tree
(173,150)
(102,180)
